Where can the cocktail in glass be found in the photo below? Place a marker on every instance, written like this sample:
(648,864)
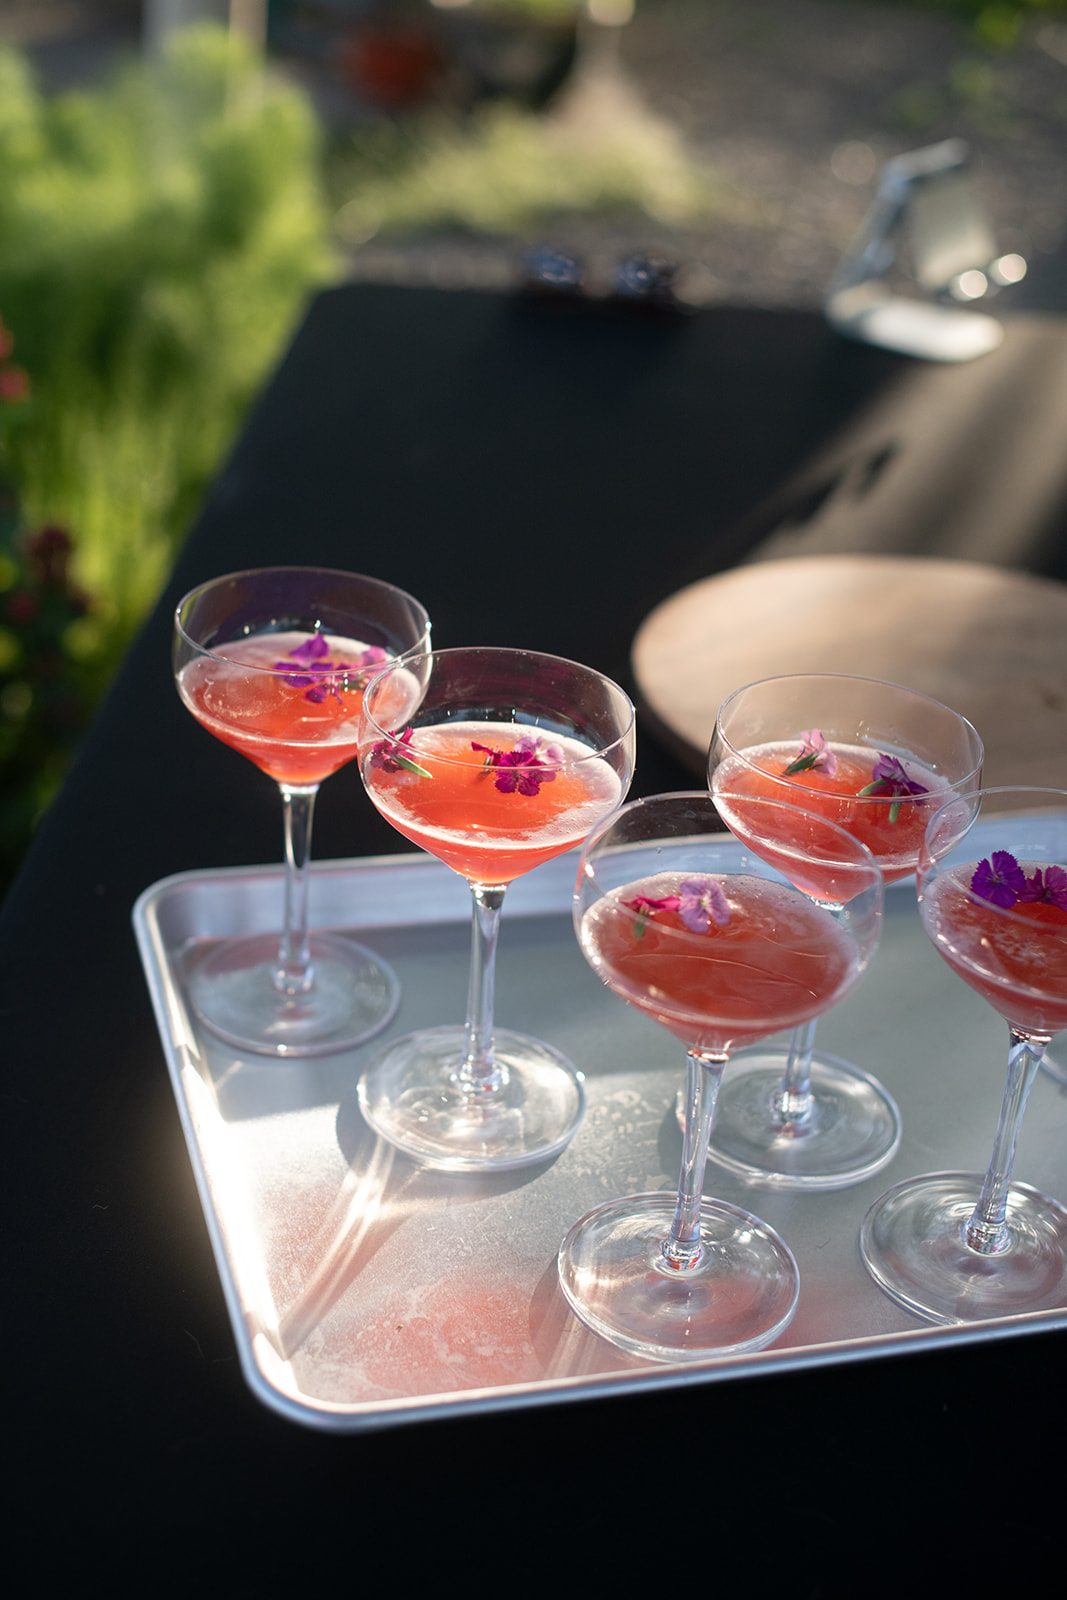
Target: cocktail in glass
(274,662)
(957,1247)
(698,932)
(875,758)
(493,760)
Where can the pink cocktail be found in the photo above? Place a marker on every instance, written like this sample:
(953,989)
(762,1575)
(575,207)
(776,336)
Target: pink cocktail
(888,815)
(776,960)
(273,662)
(697,932)
(444,794)
(1015,956)
(876,760)
(959,1247)
(255,698)
(494,761)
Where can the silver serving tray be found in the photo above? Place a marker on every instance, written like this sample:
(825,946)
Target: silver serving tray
(365,1291)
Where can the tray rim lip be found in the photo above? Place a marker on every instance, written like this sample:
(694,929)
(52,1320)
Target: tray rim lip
(448,1405)
(189,876)
(376,1415)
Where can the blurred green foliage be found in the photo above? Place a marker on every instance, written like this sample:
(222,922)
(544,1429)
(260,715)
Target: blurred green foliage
(158,237)
(502,170)
(995,23)
(542,10)
(50,679)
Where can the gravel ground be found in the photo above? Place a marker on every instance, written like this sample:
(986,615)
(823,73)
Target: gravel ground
(792,105)
(798,103)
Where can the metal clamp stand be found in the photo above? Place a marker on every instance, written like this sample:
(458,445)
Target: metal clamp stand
(928,196)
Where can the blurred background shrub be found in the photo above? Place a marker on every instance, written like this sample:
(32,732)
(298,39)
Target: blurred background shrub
(158,236)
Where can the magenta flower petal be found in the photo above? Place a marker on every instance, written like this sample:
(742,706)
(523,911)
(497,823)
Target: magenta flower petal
(321,675)
(392,755)
(643,904)
(890,777)
(1049,888)
(523,768)
(312,649)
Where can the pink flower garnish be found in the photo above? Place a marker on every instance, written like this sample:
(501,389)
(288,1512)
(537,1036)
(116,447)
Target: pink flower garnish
(643,906)
(322,676)
(815,756)
(525,767)
(390,755)
(700,903)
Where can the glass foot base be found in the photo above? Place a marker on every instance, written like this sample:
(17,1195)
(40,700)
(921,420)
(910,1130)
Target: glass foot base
(851,1132)
(740,1296)
(912,1245)
(354,996)
(411,1098)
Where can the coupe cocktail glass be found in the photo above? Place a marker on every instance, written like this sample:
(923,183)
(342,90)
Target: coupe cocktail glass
(494,761)
(958,1247)
(704,936)
(274,662)
(875,758)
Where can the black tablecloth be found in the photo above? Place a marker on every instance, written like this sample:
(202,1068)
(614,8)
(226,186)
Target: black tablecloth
(537,478)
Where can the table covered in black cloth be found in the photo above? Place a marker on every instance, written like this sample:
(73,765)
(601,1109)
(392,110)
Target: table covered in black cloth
(537,477)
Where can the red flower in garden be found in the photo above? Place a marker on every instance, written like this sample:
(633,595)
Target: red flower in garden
(14,383)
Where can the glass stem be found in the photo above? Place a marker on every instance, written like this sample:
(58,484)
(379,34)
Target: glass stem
(682,1248)
(986,1230)
(479,1074)
(793,1100)
(294,974)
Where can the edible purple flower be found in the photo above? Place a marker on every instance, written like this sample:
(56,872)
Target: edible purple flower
(312,649)
(815,756)
(701,903)
(1002,882)
(890,781)
(1048,888)
(1000,879)
(389,755)
(321,676)
(530,763)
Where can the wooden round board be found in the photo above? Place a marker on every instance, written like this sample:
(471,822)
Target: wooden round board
(988,641)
